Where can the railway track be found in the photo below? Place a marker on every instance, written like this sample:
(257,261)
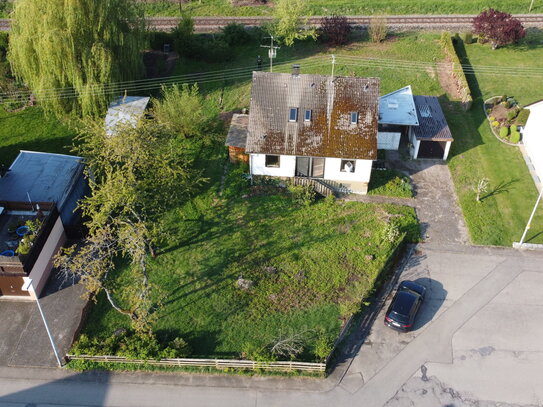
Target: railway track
(423,22)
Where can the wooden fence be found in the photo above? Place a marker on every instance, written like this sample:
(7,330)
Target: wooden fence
(213,363)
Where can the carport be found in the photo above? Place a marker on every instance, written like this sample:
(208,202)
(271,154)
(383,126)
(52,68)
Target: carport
(432,138)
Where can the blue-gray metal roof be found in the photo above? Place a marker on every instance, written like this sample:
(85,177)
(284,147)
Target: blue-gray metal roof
(45,177)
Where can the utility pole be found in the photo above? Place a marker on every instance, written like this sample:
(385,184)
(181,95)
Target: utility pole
(531,217)
(531,5)
(272,51)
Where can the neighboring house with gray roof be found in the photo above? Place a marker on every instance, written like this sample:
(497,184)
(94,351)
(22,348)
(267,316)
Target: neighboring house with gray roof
(313,126)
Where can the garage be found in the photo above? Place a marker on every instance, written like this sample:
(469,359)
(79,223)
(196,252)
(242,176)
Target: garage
(432,138)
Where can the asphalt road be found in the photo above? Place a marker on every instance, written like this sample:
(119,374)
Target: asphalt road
(477,341)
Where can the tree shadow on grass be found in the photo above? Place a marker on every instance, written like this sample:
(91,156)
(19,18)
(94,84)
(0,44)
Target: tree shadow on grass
(502,187)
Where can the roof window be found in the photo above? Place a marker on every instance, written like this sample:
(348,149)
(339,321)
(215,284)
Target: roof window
(354,117)
(293,115)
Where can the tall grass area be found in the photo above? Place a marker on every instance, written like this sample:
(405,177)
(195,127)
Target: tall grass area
(308,267)
(346,7)
(31,129)
(501,217)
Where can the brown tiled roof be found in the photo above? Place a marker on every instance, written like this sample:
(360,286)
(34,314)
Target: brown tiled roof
(432,122)
(331,100)
(237,134)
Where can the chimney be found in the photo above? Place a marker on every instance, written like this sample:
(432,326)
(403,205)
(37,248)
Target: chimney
(295,70)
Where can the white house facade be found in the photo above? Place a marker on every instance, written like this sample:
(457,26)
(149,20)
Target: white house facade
(532,137)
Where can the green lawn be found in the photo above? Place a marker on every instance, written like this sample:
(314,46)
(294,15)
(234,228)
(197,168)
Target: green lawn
(316,58)
(30,129)
(310,267)
(501,217)
(347,7)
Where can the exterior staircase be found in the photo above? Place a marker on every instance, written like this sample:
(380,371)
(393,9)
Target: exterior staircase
(322,187)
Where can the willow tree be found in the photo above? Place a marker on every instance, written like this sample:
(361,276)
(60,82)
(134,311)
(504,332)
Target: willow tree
(70,52)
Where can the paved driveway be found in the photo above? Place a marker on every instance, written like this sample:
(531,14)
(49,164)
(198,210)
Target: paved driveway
(23,338)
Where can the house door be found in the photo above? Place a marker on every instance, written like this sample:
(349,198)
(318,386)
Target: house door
(310,167)
(303,165)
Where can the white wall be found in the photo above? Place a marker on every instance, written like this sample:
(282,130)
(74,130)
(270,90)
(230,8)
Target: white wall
(415,144)
(532,137)
(287,165)
(362,170)
(42,268)
(388,141)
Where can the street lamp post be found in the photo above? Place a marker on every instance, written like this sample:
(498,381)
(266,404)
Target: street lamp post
(27,286)
(531,217)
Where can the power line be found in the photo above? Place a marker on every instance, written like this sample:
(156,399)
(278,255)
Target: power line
(243,72)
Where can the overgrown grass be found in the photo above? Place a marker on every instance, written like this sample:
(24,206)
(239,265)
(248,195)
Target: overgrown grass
(346,7)
(390,183)
(475,154)
(309,268)
(31,129)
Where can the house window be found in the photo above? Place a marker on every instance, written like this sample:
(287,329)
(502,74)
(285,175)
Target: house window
(307,116)
(354,117)
(272,161)
(347,165)
(293,115)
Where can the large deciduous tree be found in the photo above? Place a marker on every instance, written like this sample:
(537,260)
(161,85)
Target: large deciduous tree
(135,175)
(288,24)
(498,27)
(68,52)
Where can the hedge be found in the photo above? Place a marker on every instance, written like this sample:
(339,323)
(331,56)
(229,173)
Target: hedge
(460,77)
(522,117)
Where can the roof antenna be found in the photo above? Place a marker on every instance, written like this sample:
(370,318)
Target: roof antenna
(333,65)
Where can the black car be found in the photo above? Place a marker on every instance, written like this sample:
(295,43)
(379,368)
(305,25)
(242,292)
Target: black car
(404,306)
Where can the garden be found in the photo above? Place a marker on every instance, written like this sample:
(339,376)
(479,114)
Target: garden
(254,273)
(506,117)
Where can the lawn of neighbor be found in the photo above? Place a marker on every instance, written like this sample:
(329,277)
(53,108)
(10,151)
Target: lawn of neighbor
(501,217)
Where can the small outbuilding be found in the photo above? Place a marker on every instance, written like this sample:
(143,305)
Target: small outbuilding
(432,138)
(237,138)
(43,190)
(128,109)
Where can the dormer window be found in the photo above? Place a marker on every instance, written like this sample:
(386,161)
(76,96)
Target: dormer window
(293,115)
(354,117)
(307,116)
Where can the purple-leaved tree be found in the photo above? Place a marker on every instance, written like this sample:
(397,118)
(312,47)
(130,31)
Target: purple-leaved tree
(498,27)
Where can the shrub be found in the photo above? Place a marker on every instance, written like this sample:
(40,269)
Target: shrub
(492,118)
(335,30)
(513,128)
(302,194)
(378,29)
(468,38)
(323,347)
(515,137)
(495,123)
(235,34)
(498,27)
(522,117)
(511,114)
(183,36)
(504,132)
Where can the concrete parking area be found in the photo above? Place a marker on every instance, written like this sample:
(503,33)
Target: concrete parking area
(23,338)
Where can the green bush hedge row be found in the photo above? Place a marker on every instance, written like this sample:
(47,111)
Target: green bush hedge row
(448,47)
